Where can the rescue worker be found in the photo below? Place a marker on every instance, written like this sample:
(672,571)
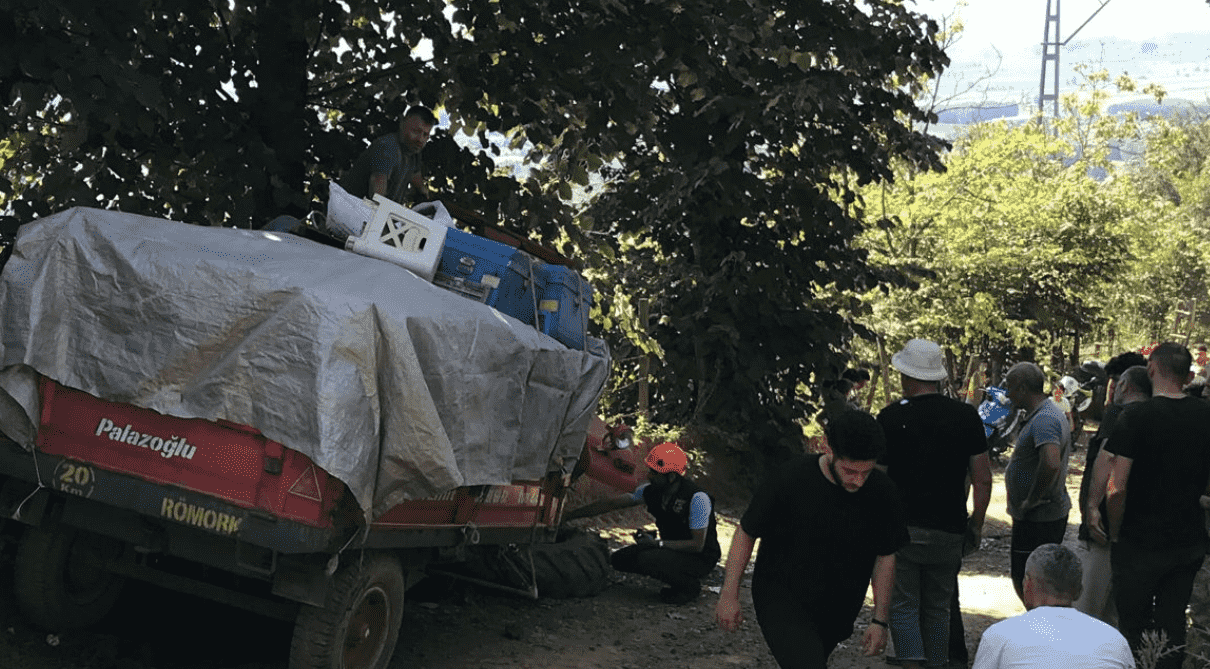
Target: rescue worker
(686,548)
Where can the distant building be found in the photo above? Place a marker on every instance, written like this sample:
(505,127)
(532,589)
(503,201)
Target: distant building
(969,115)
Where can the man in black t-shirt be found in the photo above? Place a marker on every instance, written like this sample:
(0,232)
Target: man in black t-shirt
(933,442)
(1128,384)
(1160,470)
(829,526)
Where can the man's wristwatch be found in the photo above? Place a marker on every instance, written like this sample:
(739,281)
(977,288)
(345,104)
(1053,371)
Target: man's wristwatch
(880,623)
(660,543)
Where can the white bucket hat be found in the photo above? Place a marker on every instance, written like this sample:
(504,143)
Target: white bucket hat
(920,359)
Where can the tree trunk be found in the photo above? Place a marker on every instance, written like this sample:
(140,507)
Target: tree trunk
(278,106)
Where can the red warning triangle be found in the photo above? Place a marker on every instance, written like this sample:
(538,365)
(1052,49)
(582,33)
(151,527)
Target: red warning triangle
(307,485)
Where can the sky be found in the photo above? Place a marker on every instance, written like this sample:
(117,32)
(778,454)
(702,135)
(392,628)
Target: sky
(1167,41)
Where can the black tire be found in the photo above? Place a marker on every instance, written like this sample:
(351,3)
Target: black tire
(359,624)
(61,581)
(576,566)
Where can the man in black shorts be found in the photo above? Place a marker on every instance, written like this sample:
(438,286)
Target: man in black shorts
(829,525)
(1036,477)
(1160,470)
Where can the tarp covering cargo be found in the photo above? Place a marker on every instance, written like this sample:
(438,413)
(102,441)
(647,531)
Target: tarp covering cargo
(396,387)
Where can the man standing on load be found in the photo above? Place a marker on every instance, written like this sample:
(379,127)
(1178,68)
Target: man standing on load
(687,546)
(392,164)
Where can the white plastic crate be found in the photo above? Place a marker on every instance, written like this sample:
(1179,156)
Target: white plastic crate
(401,236)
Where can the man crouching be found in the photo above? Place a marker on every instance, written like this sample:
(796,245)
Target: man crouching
(686,548)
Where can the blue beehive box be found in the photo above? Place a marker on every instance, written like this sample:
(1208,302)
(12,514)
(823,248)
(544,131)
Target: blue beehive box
(566,299)
(474,259)
(472,266)
(520,288)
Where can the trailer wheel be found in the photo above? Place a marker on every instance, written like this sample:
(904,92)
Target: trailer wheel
(575,566)
(60,577)
(359,624)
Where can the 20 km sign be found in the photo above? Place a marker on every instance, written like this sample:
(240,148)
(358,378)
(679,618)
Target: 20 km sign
(75,478)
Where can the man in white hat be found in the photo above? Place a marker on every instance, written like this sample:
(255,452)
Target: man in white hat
(933,442)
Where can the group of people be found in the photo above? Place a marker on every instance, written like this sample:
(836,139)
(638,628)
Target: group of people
(1143,501)
(886,505)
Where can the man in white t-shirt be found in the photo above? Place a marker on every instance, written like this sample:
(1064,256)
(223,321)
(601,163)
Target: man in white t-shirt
(1052,633)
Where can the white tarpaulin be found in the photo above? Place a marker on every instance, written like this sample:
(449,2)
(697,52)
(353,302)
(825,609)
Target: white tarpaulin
(397,387)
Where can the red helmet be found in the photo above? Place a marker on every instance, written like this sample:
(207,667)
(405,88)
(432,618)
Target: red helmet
(667,457)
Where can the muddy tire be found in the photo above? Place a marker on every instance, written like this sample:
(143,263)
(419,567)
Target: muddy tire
(359,624)
(575,566)
(60,577)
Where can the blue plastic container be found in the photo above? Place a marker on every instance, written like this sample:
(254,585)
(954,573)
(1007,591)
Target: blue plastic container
(520,288)
(474,259)
(566,299)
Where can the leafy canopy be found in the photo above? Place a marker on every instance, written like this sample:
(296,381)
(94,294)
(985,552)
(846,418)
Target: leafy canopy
(733,137)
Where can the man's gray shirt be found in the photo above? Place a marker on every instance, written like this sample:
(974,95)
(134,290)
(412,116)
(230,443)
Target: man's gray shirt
(1046,424)
(384,156)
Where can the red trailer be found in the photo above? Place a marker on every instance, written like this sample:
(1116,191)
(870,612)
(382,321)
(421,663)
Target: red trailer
(109,490)
(217,510)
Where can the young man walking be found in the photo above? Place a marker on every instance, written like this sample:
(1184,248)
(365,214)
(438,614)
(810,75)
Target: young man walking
(829,525)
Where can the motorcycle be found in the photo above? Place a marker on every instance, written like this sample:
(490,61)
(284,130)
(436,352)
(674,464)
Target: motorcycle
(999,421)
(1094,381)
(1084,393)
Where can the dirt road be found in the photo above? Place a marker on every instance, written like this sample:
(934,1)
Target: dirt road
(450,625)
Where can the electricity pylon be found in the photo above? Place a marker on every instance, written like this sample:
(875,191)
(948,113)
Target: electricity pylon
(1050,53)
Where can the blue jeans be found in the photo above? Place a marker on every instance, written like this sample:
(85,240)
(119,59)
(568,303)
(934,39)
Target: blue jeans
(925,575)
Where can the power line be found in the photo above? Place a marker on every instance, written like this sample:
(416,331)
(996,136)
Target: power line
(1050,53)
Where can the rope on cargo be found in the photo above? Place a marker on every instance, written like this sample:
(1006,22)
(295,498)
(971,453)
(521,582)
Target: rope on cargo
(38,474)
(582,304)
(365,534)
(334,561)
(480,499)
(532,278)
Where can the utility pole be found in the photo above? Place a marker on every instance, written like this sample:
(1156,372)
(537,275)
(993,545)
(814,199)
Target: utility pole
(1050,53)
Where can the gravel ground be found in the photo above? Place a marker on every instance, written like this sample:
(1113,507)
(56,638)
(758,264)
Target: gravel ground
(450,625)
(447,625)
